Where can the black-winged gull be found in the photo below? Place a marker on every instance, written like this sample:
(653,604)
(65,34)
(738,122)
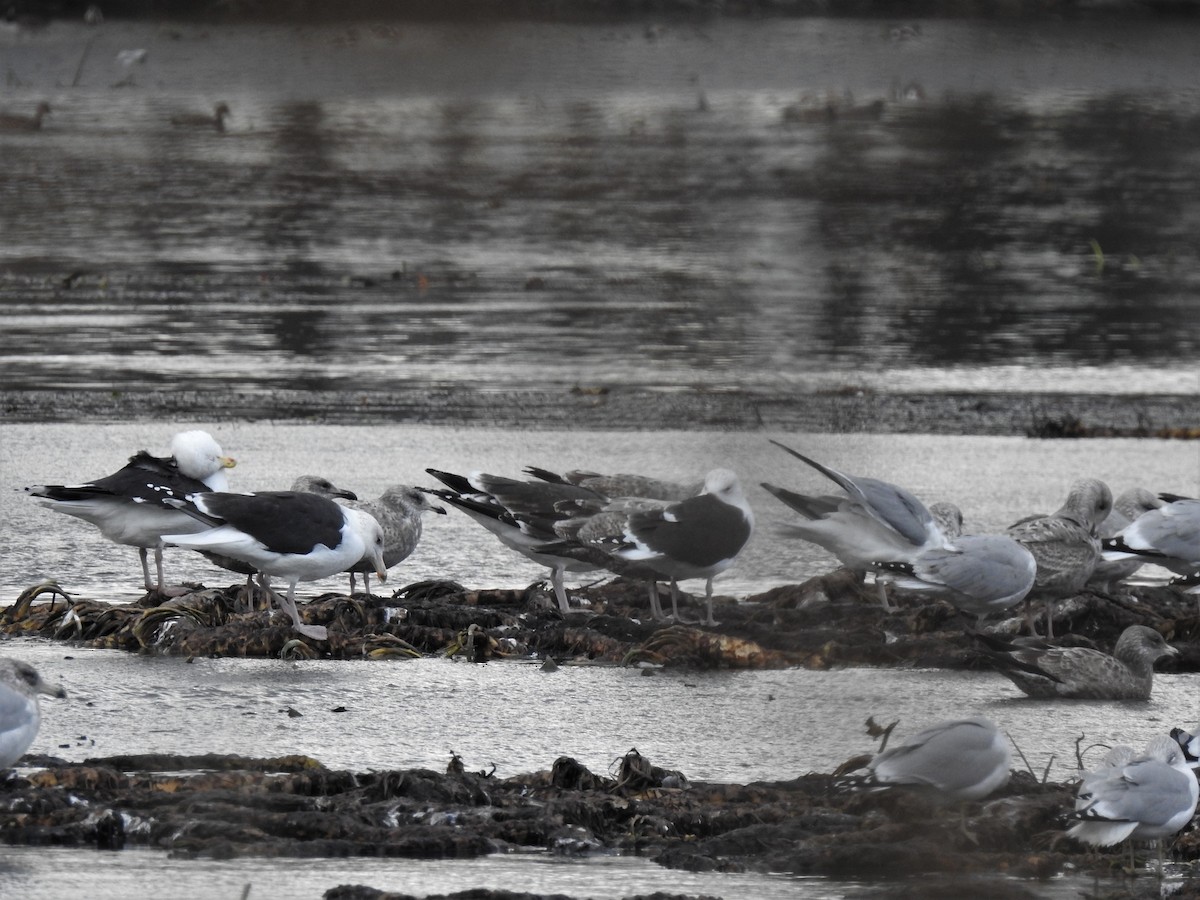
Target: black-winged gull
(286,534)
(1052,672)
(1190,743)
(874,521)
(494,502)
(978,574)
(964,759)
(1129,505)
(1168,535)
(398,510)
(698,537)
(20,715)
(1149,797)
(1065,543)
(128,507)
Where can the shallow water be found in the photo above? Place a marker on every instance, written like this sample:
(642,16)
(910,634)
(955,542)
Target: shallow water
(645,204)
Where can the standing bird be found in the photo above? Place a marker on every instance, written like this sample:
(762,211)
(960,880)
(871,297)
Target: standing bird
(199,120)
(978,574)
(398,510)
(1127,508)
(14,122)
(963,759)
(698,537)
(1049,672)
(294,536)
(128,506)
(20,714)
(1065,544)
(1147,798)
(874,521)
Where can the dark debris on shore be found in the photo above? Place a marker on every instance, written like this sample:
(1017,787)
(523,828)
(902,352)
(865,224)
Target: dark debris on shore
(225,807)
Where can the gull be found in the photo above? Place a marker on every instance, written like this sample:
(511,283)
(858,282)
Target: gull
(1168,535)
(874,520)
(20,714)
(495,502)
(295,536)
(398,510)
(963,759)
(1065,543)
(1128,506)
(199,120)
(978,574)
(1149,797)
(127,506)
(698,537)
(1047,671)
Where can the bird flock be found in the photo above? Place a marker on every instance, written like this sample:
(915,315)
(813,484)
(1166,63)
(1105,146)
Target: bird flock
(653,530)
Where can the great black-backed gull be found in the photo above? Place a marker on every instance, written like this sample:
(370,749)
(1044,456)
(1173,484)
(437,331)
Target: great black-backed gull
(128,506)
(1053,672)
(286,534)
(20,714)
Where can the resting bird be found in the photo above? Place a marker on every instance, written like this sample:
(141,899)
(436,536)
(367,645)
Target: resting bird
(1065,544)
(128,506)
(20,714)
(1046,671)
(1168,535)
(978,574)
(1126,508)
(14,122)
(295,536)
(398,510)
(199,120)
(1149,797)
(698,537)
(962,759)
(874,521)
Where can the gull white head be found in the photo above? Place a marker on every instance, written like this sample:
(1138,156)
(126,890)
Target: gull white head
(199,456)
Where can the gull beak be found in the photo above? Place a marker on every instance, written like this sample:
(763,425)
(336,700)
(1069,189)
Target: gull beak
(227,462)
(440,510)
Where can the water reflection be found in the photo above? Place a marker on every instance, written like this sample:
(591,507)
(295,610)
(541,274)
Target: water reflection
(654,217)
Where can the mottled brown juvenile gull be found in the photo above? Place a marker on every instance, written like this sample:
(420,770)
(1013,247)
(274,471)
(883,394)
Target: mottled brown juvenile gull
(698,537)
(1048,671)
(16,122)
(1128,506)
(1065,544)
(200,120)
(20,715)
(874,521)
(521,515)
(621,484)
(128,506)
(1146,798)
(294,536)
(963,759)
(978,574)
(398,511)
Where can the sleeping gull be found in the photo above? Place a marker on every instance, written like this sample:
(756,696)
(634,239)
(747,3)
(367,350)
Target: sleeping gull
(127,506)
(1128,506)
(1047,671)
(1065,544)
(494,502)
(698,537)
(1190,743)
(1168,535)
(964,759)
(295,536)
(1147,798)
(398,511)
(20,714)
(977,573)
(875,520)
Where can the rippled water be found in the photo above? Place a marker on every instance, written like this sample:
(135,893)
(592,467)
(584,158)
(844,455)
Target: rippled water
(989,205)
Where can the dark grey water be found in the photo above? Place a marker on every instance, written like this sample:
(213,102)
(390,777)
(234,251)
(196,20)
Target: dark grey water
(787,205)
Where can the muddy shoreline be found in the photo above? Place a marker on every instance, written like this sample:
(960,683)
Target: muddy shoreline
(847,411)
